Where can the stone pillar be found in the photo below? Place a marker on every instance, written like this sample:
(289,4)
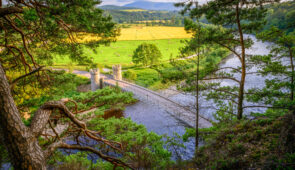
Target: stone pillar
(95,76)
(117,72)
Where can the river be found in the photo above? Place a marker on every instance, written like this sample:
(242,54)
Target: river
(159,121)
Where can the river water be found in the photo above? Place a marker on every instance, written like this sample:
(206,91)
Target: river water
(207,108)
(159,121)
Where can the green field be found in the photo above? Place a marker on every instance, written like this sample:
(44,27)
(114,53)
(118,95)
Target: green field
(121,52)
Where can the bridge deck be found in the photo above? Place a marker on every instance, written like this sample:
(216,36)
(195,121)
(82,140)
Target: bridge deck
(180,112)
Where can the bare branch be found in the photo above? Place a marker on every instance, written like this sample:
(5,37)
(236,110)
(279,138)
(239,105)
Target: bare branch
(223,68)
(230,49)
(23,76)
(270,107)
(10,10)
(216,78)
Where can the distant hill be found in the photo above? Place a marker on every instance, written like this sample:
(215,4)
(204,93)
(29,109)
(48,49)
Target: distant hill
(160,6)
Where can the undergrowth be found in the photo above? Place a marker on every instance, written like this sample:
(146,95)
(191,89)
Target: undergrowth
(265,142)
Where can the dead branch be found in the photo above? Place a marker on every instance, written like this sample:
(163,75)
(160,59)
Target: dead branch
(26,75)
(217,78)
(10,10)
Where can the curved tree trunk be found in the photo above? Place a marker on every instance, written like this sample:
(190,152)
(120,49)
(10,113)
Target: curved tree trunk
(22,146)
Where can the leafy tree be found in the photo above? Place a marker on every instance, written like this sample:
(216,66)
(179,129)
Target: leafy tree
(31,33)
(146,54)
(238,17)
(279,90)
(281,15)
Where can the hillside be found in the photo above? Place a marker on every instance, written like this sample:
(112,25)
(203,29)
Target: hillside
(132,15)
(161,6)
(247,144)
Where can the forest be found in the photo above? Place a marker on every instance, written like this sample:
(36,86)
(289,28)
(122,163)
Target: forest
(84,86)
(127,15)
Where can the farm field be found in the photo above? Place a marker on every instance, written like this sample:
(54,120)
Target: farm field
(153,33)
(143,32)
(121,52)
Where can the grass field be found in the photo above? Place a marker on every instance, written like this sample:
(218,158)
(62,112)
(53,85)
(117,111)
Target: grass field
(167,39)
(121,52)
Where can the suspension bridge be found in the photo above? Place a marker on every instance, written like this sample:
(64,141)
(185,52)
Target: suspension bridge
(180,112)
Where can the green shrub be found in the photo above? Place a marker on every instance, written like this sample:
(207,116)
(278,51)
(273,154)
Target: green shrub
(130,75)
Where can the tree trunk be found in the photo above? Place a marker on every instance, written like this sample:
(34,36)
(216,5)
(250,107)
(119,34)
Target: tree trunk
(22,146)
(243,63)
(292,76)
(197,94)
(197,106)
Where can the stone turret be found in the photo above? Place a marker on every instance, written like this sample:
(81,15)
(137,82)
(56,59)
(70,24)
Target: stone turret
(95,76)
(117,72)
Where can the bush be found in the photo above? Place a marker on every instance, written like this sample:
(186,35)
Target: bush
(130,75)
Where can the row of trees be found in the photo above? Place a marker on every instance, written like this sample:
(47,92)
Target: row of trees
(169,18)
(173,22)
(232,20)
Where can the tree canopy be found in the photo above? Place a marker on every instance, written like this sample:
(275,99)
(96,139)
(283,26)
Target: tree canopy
(146,54)
(31,32)
(232,19)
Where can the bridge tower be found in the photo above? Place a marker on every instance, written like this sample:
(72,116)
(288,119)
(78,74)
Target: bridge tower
(95,78)
(117,72)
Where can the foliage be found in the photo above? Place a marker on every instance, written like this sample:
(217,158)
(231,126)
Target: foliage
(141,146)
(56,35)
(60,85)
(143,149)
(248,143)
(146,54)
(79,161)
(279,65)
(281,15)
(146,77)
(130,75)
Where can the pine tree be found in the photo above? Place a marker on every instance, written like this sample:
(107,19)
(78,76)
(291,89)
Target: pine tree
(31,32)
(233,19)
(279,66)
